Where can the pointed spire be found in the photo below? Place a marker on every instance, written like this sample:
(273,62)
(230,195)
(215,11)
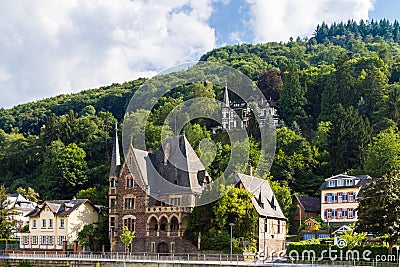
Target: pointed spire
(226,96)
(116,159)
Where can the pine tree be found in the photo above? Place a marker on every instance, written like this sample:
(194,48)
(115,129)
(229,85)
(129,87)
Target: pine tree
(292,100)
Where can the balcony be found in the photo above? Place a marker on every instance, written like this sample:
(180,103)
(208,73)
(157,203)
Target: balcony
(164,209)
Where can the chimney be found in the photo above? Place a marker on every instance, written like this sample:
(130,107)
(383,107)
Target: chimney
(250,170)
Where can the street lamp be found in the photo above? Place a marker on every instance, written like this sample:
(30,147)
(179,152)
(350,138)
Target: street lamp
(231,225)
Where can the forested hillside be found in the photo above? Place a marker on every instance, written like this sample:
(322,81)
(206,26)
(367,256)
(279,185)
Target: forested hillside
(338,95)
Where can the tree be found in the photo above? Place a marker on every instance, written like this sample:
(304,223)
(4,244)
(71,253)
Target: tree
(329,99)
(6,225)
(283,195)
(292,100)
(95,235)
(270,83)
(383,154)
(379,208)
(236,207)
(353,238)
(349,136)
(127,237)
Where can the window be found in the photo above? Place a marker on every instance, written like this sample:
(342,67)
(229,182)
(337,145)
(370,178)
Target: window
(352,197)
(112,183)
(174,224)
(43,240)
(332,183)
(309,224)
(112,203)
(339,213)
(330,198)
(62,223)
(25,240)
(153,246)
(175,201)
(172,247)
(43,223)
(34,240)
(61,239)
(350,213)
(112,222)
(340,183)
(50,223)
(349,182)
(345,197)
(129,203)
(130,223)
(339,197)
(51,240)
(129,182)
(344,213)
(329,214)
(279,227)
(34,225)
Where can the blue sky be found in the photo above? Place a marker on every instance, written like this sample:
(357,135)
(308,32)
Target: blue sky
(52,47)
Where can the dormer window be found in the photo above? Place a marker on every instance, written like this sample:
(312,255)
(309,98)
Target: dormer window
(340,183)
(349,182)
(332,183)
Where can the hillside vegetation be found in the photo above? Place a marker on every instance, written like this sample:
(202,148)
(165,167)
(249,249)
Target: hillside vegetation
(338,95)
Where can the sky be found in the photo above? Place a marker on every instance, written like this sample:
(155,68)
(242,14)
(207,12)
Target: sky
(52,47)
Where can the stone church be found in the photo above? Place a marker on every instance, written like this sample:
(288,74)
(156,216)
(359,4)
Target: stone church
(152,194)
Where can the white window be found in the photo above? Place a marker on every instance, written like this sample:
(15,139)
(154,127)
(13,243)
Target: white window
(51,240)
(25,240)
(43,240)
(34,240)
(345,197)
(340,182)
(339,197)
(332,183)
(50,223)
(62,223)
(34,225)
(43,223)
(339,213)
(352,197)
(61,239)
(349,182)
(329,214)
(129,203)
(309,224)
(350,213)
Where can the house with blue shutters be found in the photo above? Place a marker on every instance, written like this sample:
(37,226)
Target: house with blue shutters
(339,198)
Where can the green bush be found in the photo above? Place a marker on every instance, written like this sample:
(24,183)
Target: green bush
(25,263)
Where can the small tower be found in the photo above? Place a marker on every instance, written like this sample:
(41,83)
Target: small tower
(227,117)
(115,159)
(113,178)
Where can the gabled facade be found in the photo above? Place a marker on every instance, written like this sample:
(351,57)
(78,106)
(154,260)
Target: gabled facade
(306,207)
(339,196)
(55,224)
(271,222)
(174,177)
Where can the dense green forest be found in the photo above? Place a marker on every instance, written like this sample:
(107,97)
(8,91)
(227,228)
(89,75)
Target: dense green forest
(338,94)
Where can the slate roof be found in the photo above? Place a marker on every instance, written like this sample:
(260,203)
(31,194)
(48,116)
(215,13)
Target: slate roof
(264,199)
(362,181)
(20,202)
(310,204)
(174,168)
(61,207)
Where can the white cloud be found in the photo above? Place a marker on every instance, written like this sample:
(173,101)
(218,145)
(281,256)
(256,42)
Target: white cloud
(49,47)
(278,20)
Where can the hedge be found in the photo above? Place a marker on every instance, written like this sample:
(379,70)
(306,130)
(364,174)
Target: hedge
(340,252)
